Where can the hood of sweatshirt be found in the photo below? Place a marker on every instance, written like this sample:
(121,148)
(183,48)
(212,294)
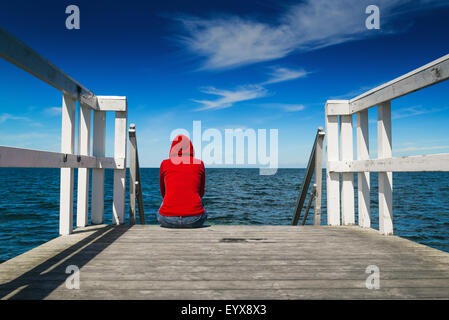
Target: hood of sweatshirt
(181,146)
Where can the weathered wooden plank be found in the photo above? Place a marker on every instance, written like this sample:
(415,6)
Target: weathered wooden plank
(125,274)
(251,294)
(11,157)
(112,103)
(224,265)
(288,267)
(249,251)
(254,253)
(99,283)
(113,262)
(424,163)
(337,107)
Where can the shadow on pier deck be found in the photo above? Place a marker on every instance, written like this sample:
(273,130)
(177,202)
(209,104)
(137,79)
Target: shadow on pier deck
(227,262)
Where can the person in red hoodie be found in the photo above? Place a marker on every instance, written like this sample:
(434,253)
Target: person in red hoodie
(182,180)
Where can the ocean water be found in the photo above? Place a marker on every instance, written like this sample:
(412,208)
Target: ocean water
(29,203)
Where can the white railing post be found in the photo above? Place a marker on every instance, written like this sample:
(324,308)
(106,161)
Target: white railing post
(384,150)
(363,177)
(132,173)
(332,178)
(83,173)
(121,131)
(98,149)
(318,177)
(67,147)
(347,178)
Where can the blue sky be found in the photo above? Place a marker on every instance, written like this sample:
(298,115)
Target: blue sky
(230,64)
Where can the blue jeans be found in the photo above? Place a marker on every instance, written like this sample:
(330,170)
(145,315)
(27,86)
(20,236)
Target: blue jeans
(181,221)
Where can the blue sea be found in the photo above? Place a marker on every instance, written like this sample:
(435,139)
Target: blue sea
(29,203)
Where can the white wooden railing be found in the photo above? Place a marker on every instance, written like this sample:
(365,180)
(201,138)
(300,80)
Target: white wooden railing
(27,59)
(340,157)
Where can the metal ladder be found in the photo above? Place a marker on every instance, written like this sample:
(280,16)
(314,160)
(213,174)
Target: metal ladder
(314,165)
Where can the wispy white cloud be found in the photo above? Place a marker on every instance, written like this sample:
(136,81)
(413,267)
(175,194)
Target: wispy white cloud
(231,126)
(414,111)
(6,116)
(31,139)
(292,107)
(284,74)
(53,111)
(284,106)
(250,92)
(232,41)
(228,97)
(413,148)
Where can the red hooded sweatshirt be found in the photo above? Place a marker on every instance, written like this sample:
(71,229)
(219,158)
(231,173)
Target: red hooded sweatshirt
(182,179)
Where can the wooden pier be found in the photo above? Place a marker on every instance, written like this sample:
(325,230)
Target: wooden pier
(337,261)
(227,262)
